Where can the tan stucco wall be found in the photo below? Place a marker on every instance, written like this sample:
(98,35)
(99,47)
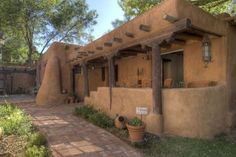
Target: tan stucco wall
(199,113)
(61,51)
(128,71)
(194,67)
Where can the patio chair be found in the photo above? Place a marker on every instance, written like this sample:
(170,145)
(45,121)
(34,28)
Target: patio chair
(168,83)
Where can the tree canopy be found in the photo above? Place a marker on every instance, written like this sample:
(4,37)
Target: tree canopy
(40,22)
(136,7)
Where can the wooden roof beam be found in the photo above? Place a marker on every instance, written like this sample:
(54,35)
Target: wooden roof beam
(129,34)
(170,19)
(145,28)
(108,44)
(99,48)
(118,40)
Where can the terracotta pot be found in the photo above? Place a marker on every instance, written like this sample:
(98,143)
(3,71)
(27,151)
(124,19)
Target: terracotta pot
(136,133)
(120,122)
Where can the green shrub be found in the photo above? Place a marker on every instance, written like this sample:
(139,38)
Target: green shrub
(37,139)
(135,122)
(101,120)
(34,151)
(85,111)
(14,121)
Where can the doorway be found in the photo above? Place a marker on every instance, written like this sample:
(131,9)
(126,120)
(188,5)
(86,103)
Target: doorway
(172,68)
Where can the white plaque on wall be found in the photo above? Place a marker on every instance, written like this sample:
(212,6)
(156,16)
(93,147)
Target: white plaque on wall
(141,110)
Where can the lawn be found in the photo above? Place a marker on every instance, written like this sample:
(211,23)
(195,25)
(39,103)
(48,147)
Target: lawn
(18,137)
(154,146)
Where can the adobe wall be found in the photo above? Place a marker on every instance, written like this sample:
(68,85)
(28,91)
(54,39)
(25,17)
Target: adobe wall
(19,83)
(197,113)
(61,51)
(194,67)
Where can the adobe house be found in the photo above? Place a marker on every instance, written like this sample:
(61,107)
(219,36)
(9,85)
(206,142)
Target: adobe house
(176,60)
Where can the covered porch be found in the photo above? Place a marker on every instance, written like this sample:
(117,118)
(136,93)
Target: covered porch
(161,68)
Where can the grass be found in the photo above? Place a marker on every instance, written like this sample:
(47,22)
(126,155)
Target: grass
(186,147)
(16,126)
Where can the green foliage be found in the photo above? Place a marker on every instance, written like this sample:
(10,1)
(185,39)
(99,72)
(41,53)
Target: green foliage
(135,122)
(39,23)
(98,118)
(136,7)
(14,121)
(35,151)
(85,111)
(101,120)
(37,139)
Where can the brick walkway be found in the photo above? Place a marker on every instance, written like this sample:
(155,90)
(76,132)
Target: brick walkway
(70,136)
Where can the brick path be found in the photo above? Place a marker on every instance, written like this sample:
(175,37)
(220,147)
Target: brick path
(70,136)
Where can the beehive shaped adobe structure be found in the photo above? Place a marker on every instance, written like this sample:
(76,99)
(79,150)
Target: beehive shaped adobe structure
(50,90)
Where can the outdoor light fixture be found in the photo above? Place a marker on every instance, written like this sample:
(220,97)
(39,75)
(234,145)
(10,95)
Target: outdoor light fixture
(206,50)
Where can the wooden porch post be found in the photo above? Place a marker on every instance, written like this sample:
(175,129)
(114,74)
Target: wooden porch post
(86,81)
(156,78)
(111,70)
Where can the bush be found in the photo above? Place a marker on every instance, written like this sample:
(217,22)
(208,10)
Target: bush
(85,111)
(14,121)
(37,139)
(98,118)
(101,120)
(34,151)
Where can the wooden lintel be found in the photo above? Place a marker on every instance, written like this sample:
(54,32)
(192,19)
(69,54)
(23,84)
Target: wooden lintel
(145,28)
(167,35)
(170,19)
(129,34)
(108,44)
(187,36)
(99,48)
(118,40)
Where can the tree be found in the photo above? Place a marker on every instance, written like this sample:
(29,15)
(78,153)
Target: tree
(40,22)
(136,7)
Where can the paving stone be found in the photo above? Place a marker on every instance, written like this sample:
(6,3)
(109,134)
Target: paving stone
(71,136)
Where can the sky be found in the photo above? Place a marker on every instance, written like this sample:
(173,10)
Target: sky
(108,11)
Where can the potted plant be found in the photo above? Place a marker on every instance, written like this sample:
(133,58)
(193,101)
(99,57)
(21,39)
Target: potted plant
(136,130)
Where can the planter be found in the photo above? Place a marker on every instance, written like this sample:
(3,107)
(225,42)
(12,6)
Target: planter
(136,133)
(120,122)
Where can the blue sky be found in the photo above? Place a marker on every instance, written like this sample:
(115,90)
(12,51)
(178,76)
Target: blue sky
(108,11)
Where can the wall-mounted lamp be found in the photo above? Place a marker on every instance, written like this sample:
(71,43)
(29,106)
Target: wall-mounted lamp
(206,50)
